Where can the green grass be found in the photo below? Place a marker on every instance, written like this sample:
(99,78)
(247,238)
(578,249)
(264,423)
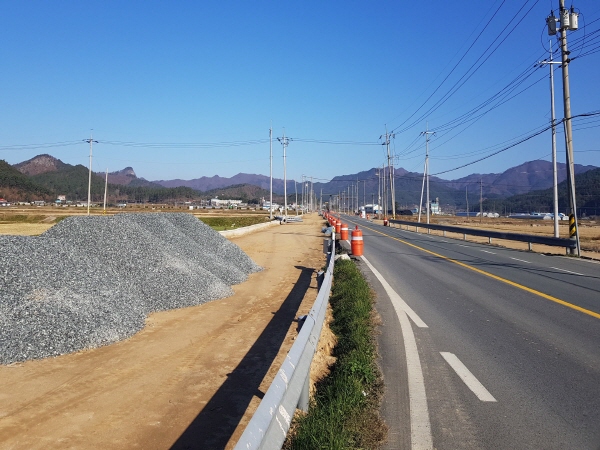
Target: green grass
(231,222)
(344,413)
(29,218)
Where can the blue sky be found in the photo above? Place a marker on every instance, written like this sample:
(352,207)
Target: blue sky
(185,89)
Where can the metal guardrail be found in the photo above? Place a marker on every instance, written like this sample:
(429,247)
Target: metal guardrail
(530,238)
(270,423)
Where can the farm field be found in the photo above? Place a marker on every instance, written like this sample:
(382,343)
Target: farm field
(32,221)
(589,232)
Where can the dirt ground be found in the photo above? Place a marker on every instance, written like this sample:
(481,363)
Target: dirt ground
(589,232)
(190,379)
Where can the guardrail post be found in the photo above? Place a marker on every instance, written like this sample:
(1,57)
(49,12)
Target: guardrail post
(530,247)
(320,277)
(489,240)
(464,236)
(304,399)
(444,233)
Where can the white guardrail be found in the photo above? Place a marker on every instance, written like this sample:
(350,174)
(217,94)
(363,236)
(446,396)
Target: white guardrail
(270,423)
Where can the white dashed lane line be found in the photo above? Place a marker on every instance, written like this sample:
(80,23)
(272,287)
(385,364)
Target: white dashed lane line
(521,260)
(568,271)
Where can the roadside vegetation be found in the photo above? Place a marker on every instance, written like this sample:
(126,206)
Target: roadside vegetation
(232,222)
(29,218)
(344,413)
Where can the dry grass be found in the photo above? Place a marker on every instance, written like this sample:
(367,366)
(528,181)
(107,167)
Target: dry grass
(24,229)
(589,232)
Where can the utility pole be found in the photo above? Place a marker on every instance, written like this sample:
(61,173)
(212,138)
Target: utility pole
(105,189)
(284,141)
(296,191)
(480,200)
(553,122)
(568,21)
(467,197)
(426,133)
(389,136)
(271,171)
(90,141)
(312,194)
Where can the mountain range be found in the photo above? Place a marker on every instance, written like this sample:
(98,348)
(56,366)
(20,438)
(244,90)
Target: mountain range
(55,176)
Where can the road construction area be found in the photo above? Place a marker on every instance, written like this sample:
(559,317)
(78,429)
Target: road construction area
(191,378)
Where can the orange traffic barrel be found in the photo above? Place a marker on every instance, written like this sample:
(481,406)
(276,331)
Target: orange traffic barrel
(344,232)
(338,226)
(356,243)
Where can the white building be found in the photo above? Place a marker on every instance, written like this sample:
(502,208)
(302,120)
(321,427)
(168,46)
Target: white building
(217,203)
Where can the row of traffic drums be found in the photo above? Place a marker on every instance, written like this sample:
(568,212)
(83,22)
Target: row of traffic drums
(341,230)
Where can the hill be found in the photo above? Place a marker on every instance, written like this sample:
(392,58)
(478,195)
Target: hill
(216,182)
(40,164)
(248,193)
(587,192)
(526,177)
(50,178)
(15,186)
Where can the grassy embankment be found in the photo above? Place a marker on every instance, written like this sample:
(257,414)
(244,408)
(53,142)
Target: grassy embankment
(231,222)
(344,412)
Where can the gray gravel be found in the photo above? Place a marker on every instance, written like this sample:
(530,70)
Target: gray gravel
(90,281)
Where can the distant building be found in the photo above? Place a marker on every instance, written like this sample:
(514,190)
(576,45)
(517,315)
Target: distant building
(267,206)
(218,202)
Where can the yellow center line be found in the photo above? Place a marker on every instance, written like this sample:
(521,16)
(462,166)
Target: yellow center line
(495,277)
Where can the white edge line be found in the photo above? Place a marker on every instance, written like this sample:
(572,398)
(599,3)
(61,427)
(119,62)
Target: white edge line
(420,425)
(486,251)
(568,271)
(395,298)
(468,378)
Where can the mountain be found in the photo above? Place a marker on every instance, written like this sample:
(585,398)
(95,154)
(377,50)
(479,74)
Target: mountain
(16,186)
(217,182)
(45,178)
(61,178)
(587,192)
(127,177)
(40,164)
(247,193)
(526,177)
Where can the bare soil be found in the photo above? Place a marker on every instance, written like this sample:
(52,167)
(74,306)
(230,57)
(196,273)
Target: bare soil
(589,232)
(190,379)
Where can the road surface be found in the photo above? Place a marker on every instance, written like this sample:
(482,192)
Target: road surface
(485,347)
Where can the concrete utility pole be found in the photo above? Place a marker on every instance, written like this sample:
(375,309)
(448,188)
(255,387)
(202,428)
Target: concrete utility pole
(105,189)
(553,122)
(389,136)
(90,141)
(284,141)
(426,133)
(271,172)
(480,200)
(568,21)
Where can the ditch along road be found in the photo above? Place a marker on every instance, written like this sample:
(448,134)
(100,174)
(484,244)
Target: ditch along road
(482,346)
(191,378)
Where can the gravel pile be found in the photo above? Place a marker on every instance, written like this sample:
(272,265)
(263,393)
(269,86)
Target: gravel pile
(90,281)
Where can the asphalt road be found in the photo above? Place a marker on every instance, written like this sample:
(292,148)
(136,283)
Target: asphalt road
(507,343)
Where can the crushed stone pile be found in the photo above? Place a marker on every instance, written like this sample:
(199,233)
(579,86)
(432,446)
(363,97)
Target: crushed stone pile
(91,281)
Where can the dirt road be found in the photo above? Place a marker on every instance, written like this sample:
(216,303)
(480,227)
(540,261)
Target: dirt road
(190,379)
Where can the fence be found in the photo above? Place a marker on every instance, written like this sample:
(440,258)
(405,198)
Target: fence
(270,423)
(529,238)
